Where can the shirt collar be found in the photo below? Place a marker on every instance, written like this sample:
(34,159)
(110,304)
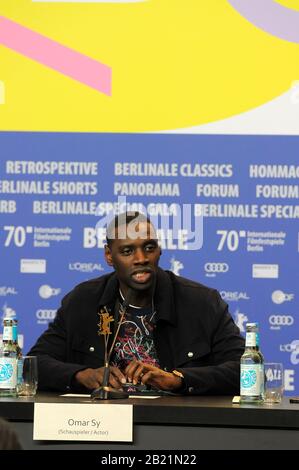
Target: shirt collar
(163,296)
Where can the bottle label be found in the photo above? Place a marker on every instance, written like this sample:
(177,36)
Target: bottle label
(7,333)
(251,340)
(252,379)
(8,372)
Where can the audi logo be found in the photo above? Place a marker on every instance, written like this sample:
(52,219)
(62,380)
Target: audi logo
(281,320)
(216,267)
(45,314)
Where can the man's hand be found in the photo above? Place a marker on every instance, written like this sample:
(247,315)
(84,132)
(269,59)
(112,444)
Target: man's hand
(93,378)
(138,371)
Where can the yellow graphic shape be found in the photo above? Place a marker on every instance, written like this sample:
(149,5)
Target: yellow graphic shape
(2,93)
(292,4)
(175,64)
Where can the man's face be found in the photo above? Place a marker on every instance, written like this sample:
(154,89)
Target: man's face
(134,256)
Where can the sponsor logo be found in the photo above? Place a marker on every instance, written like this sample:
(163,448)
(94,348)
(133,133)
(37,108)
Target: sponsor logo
(290,347)
(240,320)
(277,321)
(176,266)
(85,267)
(234,296)
(285,348)
(265,271)
(295,352)
(44,316)
(278,297)
(33,266)
(212,269)
(4,291)
(46,291)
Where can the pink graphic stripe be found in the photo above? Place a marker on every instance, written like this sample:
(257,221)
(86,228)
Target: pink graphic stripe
(56,56)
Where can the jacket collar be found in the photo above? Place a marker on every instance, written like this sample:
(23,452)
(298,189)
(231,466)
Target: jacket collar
(163,296)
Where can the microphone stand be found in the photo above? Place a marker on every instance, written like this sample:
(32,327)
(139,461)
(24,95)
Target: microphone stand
(104,392)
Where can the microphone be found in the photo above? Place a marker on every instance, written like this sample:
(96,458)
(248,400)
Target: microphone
(104,392)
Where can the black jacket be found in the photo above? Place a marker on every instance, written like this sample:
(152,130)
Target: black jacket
(194,334)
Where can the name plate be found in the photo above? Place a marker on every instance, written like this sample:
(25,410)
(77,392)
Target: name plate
(82,422)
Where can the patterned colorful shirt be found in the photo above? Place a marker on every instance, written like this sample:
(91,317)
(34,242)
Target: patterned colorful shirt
(135,339)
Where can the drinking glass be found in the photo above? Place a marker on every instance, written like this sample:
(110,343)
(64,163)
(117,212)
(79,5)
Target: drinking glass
(273,382)
(27,385)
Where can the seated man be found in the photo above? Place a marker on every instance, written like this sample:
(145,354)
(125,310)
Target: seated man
(177,335)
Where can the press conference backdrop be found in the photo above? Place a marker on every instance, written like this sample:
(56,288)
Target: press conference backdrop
(213,89)
(56,189)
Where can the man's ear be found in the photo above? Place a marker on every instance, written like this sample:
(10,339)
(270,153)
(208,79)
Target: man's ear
(108,256)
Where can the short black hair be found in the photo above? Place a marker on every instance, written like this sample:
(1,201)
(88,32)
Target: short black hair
(125,218)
